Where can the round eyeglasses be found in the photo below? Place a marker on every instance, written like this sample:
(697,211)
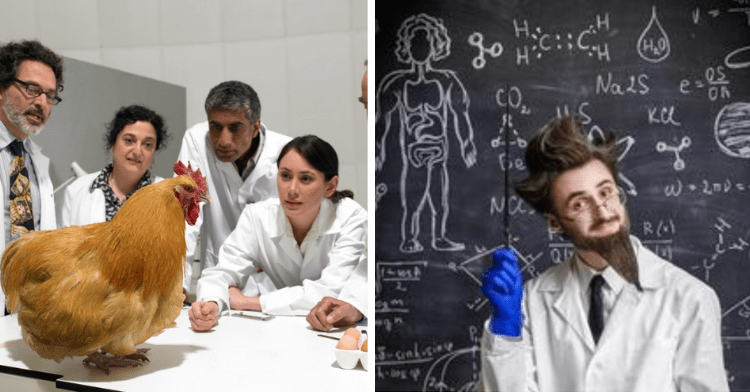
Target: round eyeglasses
(605,196)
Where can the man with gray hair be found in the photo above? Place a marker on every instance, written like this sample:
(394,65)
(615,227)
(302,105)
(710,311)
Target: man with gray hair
(237,154)
(31,75)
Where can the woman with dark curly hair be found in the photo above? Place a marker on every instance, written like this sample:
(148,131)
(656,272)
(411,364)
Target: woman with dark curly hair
(133,136)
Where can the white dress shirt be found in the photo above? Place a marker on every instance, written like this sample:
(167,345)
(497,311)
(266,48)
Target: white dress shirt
(611,289)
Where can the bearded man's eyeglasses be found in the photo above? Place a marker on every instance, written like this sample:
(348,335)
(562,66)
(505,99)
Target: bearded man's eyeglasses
(34,91)
(606,197)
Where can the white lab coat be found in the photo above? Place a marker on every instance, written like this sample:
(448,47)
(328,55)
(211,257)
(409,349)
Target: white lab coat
(228,192)
(47,219)
(355,290)
(82,206)
(666,338)
(304,274)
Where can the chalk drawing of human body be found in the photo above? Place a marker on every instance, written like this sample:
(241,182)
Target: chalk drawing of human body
(426,105)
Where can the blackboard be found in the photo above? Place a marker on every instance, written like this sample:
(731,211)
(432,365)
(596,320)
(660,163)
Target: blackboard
(671,78)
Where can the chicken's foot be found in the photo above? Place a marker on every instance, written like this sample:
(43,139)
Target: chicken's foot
(104,362)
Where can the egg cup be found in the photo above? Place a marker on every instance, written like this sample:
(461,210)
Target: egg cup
(347,359)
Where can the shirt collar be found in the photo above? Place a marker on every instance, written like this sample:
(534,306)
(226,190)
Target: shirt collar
(254,159)
(324,223)
(651,271)
(7,137)
(584,274)
(101,181)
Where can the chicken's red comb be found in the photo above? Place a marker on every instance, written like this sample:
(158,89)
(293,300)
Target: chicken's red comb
(200,180)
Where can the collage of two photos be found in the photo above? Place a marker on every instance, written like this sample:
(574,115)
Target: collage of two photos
(331,195)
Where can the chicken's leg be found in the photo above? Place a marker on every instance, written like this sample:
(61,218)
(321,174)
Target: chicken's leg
(104,362)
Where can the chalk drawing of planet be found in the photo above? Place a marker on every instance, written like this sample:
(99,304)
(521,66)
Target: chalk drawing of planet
(732,129)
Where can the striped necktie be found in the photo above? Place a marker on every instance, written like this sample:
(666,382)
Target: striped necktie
(21,215)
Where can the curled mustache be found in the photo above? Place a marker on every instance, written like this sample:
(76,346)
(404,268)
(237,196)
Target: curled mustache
(601,222)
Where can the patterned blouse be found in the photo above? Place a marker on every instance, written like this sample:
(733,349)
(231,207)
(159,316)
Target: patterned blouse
(112,202)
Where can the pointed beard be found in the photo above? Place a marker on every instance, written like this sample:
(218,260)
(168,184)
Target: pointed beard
(616,249)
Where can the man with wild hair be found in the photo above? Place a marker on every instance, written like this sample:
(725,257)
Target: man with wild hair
(642,325)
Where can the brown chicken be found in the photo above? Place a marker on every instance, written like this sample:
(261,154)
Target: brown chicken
(110,285)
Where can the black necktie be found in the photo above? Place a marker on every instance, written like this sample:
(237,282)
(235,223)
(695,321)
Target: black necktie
(596,311)
(21,216)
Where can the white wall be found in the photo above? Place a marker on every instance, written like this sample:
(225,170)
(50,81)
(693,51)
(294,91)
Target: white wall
(303,57)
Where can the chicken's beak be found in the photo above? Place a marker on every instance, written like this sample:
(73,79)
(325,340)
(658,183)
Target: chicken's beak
(205,198)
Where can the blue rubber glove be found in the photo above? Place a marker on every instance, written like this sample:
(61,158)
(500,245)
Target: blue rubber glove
(502,284)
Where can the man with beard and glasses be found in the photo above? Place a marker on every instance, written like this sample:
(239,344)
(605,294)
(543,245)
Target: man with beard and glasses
(31,75)
(642,325)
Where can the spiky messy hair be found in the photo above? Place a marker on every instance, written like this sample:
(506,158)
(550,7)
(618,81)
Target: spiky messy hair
(559,146)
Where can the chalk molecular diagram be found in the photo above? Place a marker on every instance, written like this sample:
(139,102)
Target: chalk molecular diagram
(476,39)
(679,164)
(653,45)
(588,40)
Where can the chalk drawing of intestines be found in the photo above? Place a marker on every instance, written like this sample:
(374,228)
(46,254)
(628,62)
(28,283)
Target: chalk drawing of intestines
(427,106)
(653,45)
(679,164)
(732,129)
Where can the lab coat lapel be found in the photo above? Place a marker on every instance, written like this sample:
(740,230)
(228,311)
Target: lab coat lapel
(567,304)
(261,182)
(622,314)
(266,159)
(46,210)
(225,172)
(629,300)
(324,224)
(285,236)
(289,245)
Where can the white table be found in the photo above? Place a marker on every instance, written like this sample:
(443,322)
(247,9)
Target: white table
(280,354)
